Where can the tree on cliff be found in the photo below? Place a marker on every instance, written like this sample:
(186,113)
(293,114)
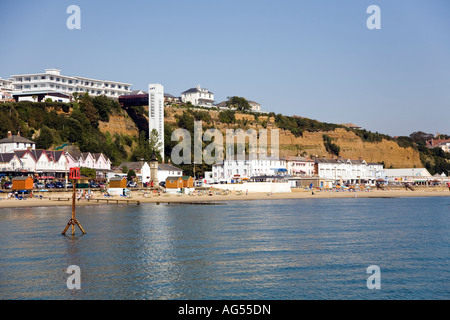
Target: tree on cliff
(146,147)
(238,103)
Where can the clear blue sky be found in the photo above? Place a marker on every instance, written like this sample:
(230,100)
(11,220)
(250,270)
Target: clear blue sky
(310,58)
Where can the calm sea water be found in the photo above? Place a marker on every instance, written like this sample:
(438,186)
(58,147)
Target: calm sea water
(281,249)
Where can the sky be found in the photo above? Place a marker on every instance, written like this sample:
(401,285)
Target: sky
(311,58)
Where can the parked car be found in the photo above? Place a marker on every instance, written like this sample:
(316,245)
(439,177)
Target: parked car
(7,185)
(93,185)
(59,185)
(162,184)
(131,184)
(49,185)
(39,185)
(69,185)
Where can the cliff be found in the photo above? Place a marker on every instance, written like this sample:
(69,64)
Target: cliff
(311,143)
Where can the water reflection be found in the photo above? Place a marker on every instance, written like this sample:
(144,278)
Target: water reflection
(303,249)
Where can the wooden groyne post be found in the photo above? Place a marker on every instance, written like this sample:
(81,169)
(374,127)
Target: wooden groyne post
(74,175)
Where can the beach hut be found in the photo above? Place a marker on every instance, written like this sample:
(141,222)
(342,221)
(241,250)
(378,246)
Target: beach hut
(22,183)
(188,182)
(174,182)
(118,182)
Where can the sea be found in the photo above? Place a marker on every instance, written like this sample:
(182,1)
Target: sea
(303,249)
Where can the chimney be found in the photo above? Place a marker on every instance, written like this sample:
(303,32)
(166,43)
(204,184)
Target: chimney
(18,133)
(9,134)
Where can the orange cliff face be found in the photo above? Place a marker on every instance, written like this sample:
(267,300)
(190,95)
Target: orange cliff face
(351,147)
(311,143)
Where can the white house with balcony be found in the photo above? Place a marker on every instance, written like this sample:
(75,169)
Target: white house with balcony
(52,84)
(198,96)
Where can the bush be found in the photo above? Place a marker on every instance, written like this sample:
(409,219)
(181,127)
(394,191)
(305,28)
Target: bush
(227,116)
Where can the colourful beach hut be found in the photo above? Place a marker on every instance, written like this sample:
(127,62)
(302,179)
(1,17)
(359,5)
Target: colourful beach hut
(118,182)
(22,183)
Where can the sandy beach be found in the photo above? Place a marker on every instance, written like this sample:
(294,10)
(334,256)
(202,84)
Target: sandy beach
(51,199)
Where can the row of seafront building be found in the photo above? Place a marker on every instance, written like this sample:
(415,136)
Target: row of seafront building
(19,157)
(296,169)
(323,172)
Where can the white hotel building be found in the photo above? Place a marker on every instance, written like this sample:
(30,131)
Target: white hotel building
(239,169)
(51,84)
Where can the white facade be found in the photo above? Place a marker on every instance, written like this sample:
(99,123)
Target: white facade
(255,106)
(164,171)
(198,96)
(299,166)
(5,90)
(346,170)
(231,170)
(408,174)
(167,170)
(156,112)
(53,81)
(15,142)
(9,162)
(445,146)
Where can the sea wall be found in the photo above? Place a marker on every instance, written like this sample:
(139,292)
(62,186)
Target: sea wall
(279,187)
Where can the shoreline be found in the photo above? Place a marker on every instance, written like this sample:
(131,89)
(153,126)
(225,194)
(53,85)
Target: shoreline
(218,199)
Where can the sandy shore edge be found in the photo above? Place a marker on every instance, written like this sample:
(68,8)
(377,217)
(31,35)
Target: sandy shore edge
(187,199)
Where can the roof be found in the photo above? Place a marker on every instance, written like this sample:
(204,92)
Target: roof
(132,165)
(16,139)
(173,178)
(37,153)
(168,167)
(6,157)
(55,155)
(20,153)
(350,125)
(117,178)
(352,161)
(407,172)
(186,177)
(21,178)
(295,158)
(197,89)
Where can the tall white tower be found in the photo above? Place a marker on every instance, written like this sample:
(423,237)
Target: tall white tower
(156,112)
